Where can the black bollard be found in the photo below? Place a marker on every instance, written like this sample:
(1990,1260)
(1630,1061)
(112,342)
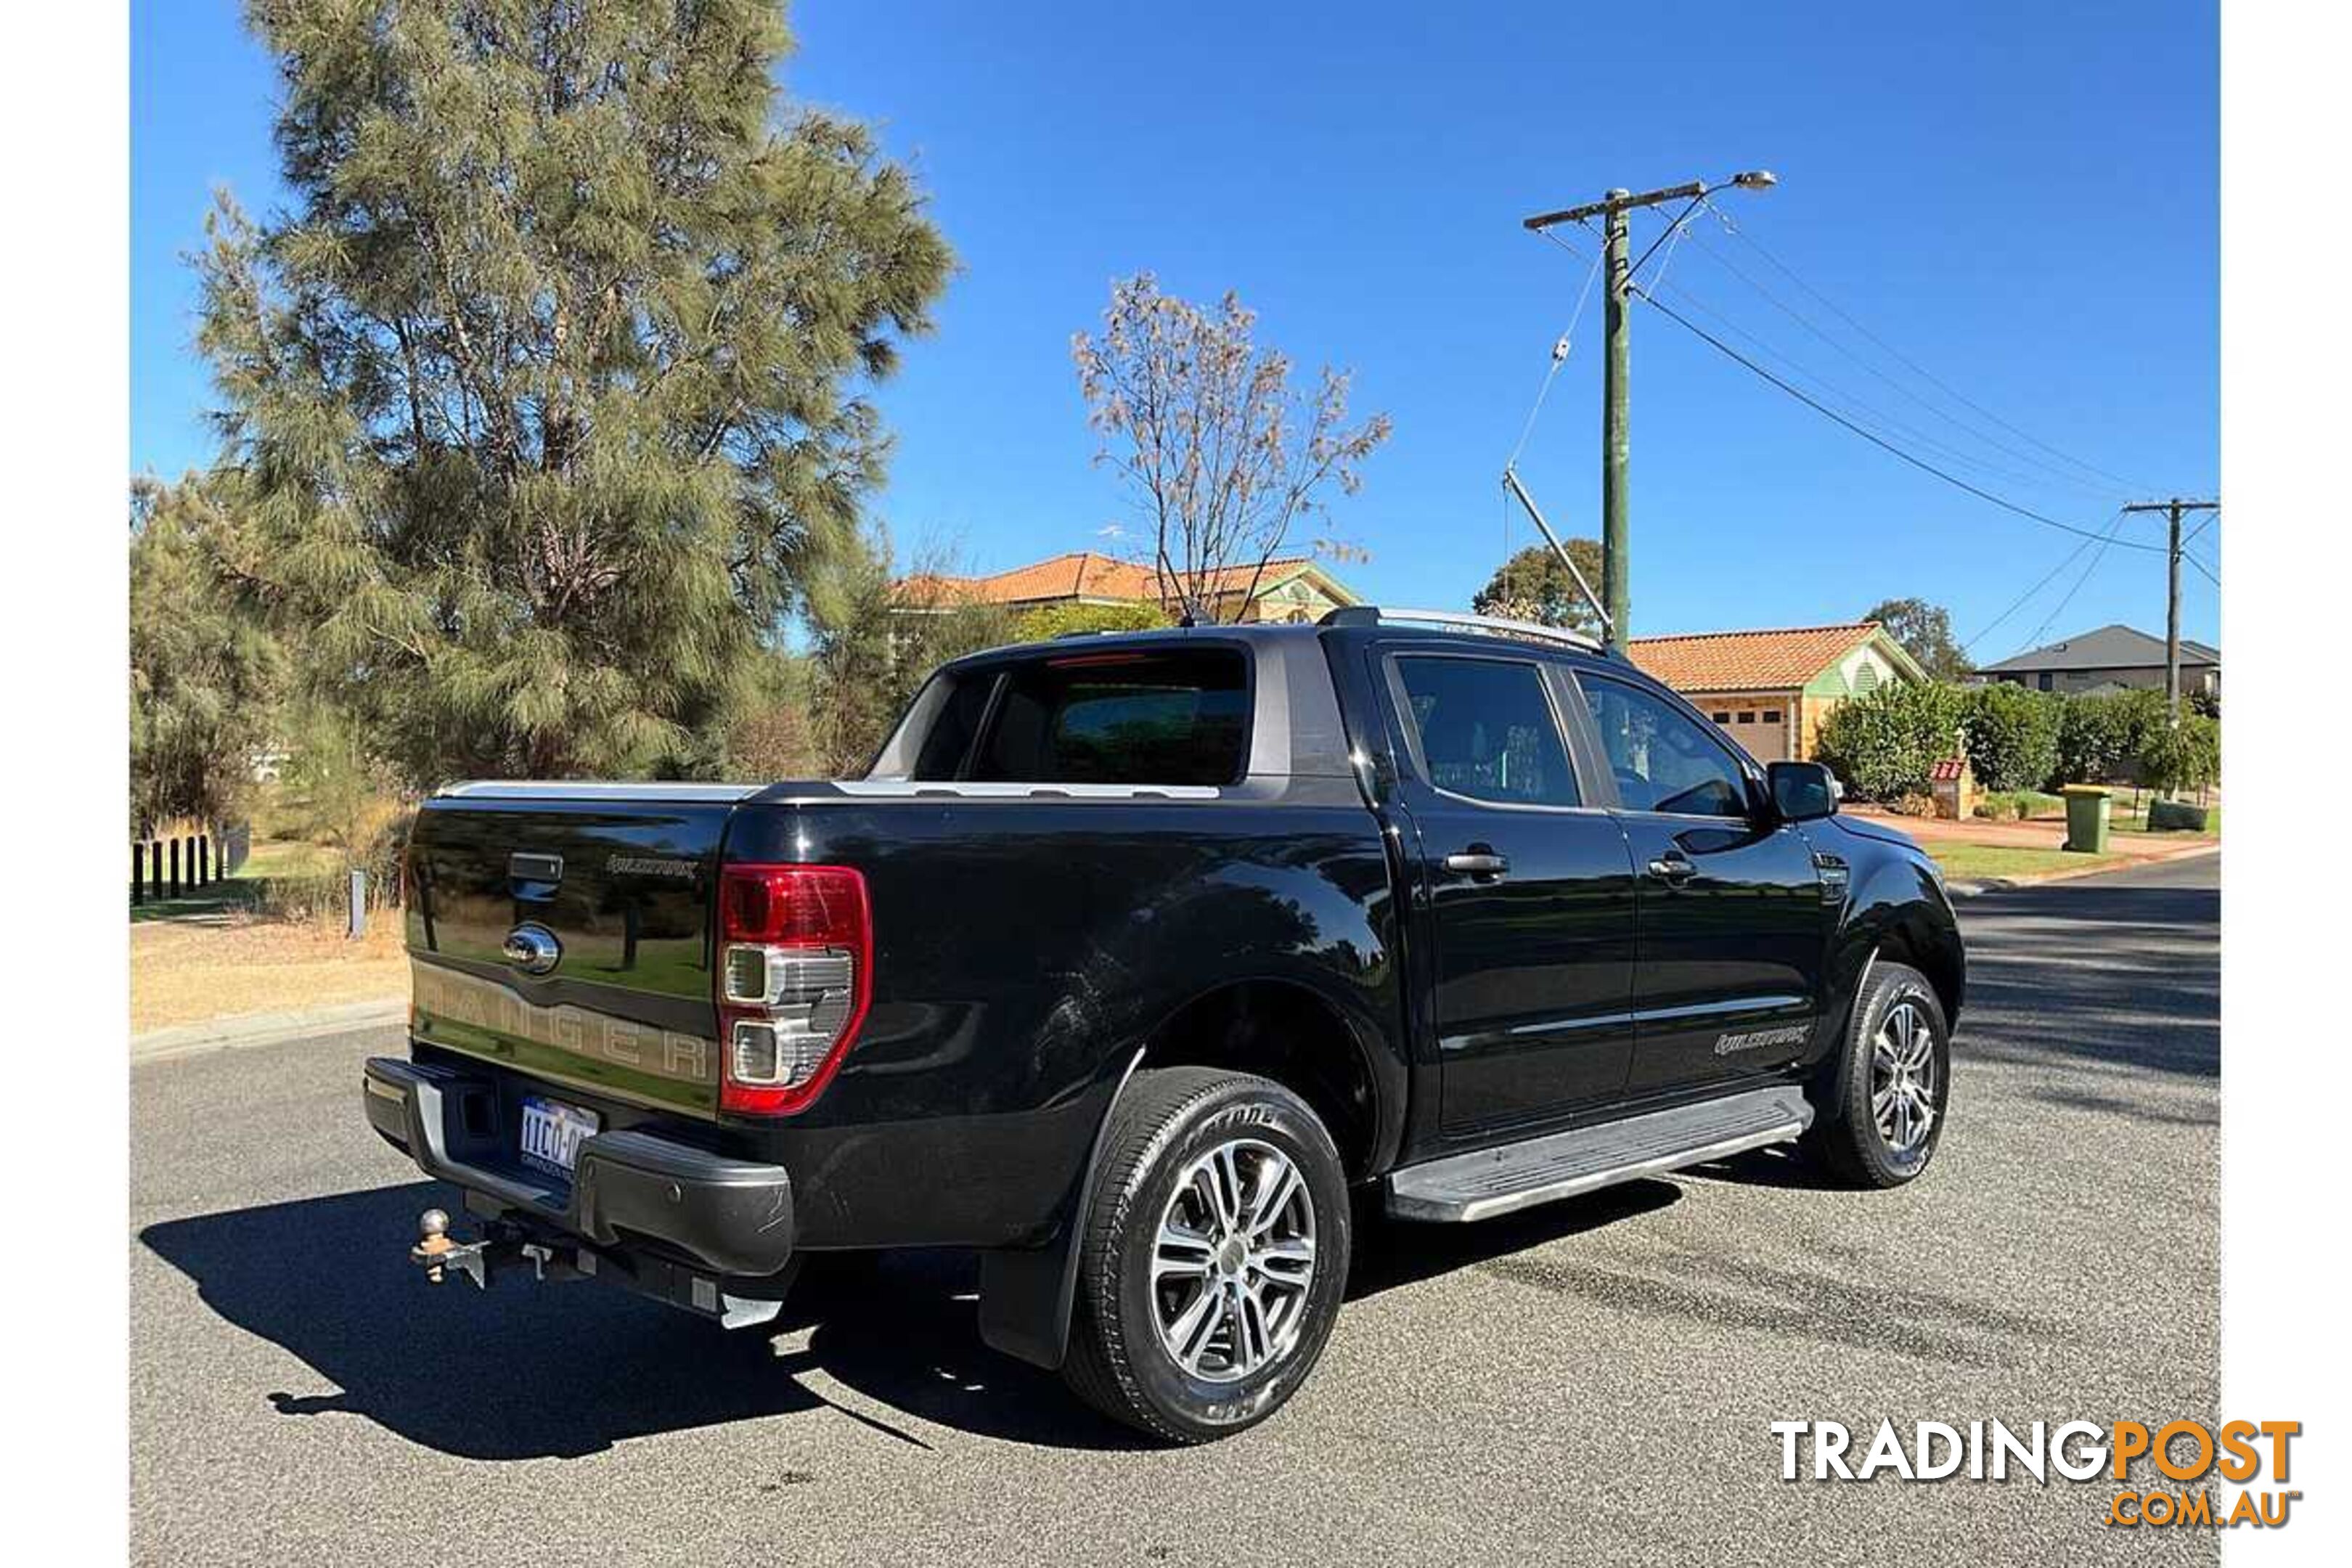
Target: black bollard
(139,873)
(204,859)
(175,867)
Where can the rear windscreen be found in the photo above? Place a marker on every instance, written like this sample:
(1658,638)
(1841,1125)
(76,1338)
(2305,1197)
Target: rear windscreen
(1177,716)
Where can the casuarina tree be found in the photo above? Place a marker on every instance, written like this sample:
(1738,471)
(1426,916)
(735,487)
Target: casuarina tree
(1224,461)
(205,676)
(551,382)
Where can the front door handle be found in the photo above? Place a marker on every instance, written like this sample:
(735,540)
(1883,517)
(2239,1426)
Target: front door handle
(1673,866)
(1479,861)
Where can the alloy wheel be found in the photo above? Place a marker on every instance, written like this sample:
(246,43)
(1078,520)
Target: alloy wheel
(1904,1079)
(1233,1261)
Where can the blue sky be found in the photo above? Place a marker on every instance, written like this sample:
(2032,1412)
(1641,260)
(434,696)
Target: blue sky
(2022,199)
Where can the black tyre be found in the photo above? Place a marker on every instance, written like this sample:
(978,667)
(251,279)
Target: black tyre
(1880,1108)
(1214,1256)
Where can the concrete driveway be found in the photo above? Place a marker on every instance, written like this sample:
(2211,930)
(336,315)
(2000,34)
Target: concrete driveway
(1593,1380)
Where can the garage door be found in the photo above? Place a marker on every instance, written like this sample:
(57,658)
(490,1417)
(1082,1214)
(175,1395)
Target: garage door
(1763,730)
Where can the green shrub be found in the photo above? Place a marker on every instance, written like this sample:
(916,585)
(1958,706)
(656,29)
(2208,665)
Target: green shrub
(1883,744)
(2183,756)
(2101,734)
(2012,734)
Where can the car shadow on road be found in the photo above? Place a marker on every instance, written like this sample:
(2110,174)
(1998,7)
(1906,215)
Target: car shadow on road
(1390,1253)
(527,1371)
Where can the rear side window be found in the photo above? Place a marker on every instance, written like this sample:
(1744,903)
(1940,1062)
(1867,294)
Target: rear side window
(1180,717)
(953,728)
(1486,731)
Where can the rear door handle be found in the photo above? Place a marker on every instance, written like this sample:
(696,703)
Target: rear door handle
(1673,866)
(1478,862)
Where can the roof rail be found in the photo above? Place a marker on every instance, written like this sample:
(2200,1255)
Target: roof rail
(1459,620)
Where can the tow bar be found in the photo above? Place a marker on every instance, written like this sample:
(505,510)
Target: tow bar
(501,1244)
(505,1243)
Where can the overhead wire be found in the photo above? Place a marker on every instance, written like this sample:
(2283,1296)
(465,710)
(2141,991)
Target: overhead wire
(1855,408)
(2046,472)
(1821,387)
(2090,566)
(1909,364)
(1873,437)
(2020,602)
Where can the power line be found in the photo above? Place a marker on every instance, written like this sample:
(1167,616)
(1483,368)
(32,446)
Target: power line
(2202,567)
(2048,472)
(2060,607)
(1899,356)
(1822,388)
(1876,439)
(2019,603)
(2202,526)
(1856,407)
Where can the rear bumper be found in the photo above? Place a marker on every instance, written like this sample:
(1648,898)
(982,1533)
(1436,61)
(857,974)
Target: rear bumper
(730,1217)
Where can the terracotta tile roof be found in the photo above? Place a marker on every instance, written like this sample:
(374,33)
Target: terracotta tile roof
(1746,661)
(1084,574)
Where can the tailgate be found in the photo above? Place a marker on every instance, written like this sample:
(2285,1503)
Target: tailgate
(564,931)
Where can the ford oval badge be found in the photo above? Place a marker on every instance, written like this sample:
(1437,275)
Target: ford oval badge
(533,948)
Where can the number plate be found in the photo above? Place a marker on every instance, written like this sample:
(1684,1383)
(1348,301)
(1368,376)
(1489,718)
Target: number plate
(552,1132)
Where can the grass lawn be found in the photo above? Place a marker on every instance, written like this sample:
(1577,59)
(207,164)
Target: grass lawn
(240,893)
(1968,861)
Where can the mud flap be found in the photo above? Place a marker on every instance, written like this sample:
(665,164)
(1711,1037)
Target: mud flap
(1027,1293)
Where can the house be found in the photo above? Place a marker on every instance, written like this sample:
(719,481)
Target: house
(1290,588)
(1770,691)
(2111,656)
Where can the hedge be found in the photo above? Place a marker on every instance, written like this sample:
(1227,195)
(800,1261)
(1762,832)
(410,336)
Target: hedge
(2183,756)
(1884,742)
(2101,734)
(2012,734)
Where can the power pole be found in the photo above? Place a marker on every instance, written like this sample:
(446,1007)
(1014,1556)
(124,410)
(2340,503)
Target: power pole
(2173,510)
(1616,441)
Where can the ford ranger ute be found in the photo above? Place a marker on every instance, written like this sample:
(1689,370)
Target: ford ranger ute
(1144,965)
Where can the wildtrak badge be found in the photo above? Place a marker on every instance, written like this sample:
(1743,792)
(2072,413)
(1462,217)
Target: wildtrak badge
(651,866)
(1757,1039)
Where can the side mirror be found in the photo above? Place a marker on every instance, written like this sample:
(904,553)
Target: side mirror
(1802,792)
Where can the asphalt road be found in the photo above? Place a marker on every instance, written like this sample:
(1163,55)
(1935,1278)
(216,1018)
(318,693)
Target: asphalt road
(1594,1379)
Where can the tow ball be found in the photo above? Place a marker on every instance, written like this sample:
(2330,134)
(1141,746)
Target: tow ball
(501,1243)
(436,1254)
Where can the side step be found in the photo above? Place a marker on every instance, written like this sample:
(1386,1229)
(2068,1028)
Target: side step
(1490,1181)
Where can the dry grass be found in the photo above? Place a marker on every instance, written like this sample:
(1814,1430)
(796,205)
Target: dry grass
(184,972)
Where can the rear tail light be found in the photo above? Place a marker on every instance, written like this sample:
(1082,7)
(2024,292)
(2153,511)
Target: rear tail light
(796,975)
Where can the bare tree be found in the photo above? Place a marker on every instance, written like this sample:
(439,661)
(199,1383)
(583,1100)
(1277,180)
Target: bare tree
(1223,458)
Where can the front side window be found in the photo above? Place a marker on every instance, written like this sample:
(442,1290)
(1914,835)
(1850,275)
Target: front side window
(1487,730)
(1664,760)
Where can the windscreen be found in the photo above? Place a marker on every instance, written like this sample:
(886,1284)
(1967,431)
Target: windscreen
(1166,717)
